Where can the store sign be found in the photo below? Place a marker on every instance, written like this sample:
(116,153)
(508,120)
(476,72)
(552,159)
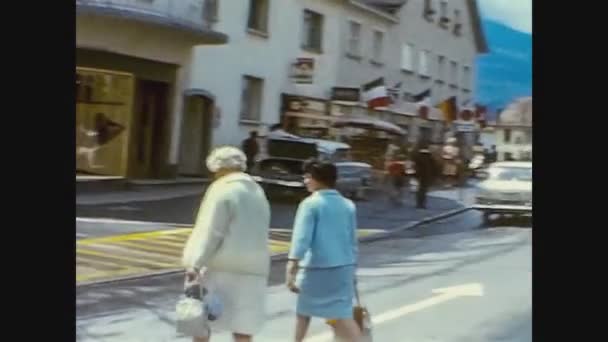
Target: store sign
(464,126)
(345,94)
(302,70)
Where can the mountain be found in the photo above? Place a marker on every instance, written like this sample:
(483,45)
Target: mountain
(505,73)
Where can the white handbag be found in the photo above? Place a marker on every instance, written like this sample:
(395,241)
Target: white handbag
(191,317)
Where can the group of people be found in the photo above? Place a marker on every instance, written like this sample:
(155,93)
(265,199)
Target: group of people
(423,167)
(228,251)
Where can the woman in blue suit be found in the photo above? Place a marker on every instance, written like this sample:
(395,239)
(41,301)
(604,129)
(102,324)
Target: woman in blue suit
(323,255)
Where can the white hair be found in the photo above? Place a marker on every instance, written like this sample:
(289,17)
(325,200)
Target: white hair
(226,157)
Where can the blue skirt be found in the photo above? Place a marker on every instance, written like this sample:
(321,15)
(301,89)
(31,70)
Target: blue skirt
(326,292)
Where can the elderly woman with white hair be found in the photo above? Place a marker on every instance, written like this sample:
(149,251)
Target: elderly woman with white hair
(228,248)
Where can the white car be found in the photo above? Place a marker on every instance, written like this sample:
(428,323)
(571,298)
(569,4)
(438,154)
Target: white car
(506,189)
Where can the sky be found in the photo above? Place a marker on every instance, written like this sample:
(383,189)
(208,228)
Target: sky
(516,14)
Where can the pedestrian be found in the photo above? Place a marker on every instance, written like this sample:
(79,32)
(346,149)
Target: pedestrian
(396,174)
(449,154)
(228,248)
(323,255)
(493,155)
(251,149)
(425,171)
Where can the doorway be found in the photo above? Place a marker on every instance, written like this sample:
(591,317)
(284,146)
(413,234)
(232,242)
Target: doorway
(196,135)
(149,129)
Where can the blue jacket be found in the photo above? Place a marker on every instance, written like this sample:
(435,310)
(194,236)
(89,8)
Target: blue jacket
(325,231)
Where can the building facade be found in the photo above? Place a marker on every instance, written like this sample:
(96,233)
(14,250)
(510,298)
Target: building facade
(514,131)
(340,43)
(133,61)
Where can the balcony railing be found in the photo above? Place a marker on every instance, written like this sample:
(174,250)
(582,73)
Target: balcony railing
(193,15)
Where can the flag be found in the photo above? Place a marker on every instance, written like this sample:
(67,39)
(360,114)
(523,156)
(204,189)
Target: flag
(480,115)
(448,107)
(394,92)
(374,93)
(422,96)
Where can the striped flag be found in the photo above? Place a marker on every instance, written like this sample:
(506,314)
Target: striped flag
(375,94)
(449,109)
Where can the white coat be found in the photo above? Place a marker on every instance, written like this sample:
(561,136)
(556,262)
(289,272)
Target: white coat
(230,239)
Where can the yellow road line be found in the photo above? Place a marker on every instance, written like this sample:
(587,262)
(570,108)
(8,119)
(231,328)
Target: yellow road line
(147,245)
(136,255)
(164,243)
(128,260)
(83,259)
(105,275)
(133,236)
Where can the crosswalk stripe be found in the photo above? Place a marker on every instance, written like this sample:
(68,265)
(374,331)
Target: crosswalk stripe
(83,259)
(150,246)
(165,243)
(155,265)
(128,252)
(142,253)
(104,275)
(172,238)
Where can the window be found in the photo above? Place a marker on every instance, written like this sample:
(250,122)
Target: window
(466,77)
(407,57)
(457,23)
(443,8)
(378,46)
(453,73)
(428,11)
(354,39)
(423,69)
(444,20)
(438,92)
(507,136)
(251,98)
(211,10)
(258,15)
(312,32)
(441,67)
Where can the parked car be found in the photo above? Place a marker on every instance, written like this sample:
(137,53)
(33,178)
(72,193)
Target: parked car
(506,189)
(281,171)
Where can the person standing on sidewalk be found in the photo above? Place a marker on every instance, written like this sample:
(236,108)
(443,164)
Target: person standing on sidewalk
(227,251)
(425,172)
(323,255)
(251,149)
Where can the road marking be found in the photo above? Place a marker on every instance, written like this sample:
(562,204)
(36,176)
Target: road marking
(150,252)
(441,295)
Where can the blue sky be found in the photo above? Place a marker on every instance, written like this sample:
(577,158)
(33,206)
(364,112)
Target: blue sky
(516,14)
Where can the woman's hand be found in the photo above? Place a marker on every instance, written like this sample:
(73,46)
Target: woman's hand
(290,275)
(194,275)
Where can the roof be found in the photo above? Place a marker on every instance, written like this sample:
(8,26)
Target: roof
(388,6)
(517,113)
(328,145)
(516,164)
(383,8)
(478,34)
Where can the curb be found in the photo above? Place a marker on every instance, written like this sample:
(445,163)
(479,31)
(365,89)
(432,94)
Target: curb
(283,256)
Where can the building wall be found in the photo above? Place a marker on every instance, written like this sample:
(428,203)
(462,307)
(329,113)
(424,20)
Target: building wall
(517,150)
(129,38)
(219,69)
(414,29)
(353,72)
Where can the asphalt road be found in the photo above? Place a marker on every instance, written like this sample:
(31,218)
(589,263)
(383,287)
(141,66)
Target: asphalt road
(449,281)
(376,213)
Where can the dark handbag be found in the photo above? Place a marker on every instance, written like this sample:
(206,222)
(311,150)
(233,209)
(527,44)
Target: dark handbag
(362,316)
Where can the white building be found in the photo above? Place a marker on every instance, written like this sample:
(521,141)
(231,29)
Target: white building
(514,131)
(133,62)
